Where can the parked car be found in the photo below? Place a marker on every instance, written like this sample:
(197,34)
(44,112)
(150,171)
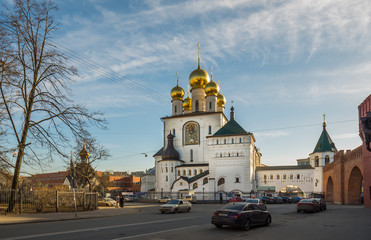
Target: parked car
(266,199)
(322,203)
(277,200)
(190,198)
(164,199)
(286,199)
(129,198)
(257,201)
(308,205)
(296,199)
(107,202)
(236,199)
(240,214)
(175,206)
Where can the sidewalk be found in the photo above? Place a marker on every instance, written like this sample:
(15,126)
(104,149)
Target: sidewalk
(62,216)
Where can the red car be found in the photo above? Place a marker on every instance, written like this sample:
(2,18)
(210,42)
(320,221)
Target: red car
(236,199)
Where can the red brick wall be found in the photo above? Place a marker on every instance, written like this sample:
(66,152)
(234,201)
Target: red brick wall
(346,173)
(363,108)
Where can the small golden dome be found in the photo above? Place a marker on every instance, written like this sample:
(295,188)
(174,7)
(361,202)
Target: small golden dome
(177,93)
(198,78)
(84,154)
(187,104)
(212,89)
(220,100)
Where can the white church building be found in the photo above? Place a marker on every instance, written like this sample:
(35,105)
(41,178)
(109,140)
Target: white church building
(208,155)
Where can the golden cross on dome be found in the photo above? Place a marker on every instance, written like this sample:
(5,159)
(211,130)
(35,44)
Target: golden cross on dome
(188,91)
(177,78)
(199,53)
(324,117)
(211,69)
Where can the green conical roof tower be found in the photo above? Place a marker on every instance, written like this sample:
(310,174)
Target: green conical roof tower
(325,144)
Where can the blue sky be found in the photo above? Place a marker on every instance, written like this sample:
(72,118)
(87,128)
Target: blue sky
(283,63)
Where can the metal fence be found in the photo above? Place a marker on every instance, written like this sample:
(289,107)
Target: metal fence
(48,201)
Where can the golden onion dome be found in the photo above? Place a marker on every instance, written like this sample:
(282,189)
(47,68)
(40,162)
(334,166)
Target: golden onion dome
(198,78)
(177,93)
(84,153)
(212,89)
(220,100)
(187,103)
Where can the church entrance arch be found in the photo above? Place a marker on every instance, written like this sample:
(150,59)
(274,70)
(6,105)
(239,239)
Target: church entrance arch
(221,183)
(292,191)
(355,186)
(330,190)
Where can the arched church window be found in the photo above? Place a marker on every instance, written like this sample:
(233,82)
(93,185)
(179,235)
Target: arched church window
(184,172)
(167,178)
(209,129)
(191,155)
(221,181)
(189,172)
(278,177)
(166,169)
(265,177)
(195,171)
(237,179)
(229,154)
(237,154)
(201,171)
(178,173)
(316,161)
(173,132)
(172,169)
(232,140)
(162,170)
(271,177)
(210,105)
(196,105)
(205,181)
(327,159)
(298,176)
(195,185)
(221,155)
(217,141)
(225,141)
(291,176)
(175,109)
(240,140)
(284,176)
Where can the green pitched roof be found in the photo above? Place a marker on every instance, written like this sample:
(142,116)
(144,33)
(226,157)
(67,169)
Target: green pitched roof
(231,128)
(325,144)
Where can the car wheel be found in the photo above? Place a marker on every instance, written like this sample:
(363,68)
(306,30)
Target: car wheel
(175,210)
(268,221)
(324,208)
(218,225)
(188,209)
(246,227)
(162,212)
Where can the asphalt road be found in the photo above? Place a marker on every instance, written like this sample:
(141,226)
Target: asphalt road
(338,222)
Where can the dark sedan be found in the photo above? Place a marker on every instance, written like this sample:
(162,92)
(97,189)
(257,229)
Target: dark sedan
(241,214)
(307,205)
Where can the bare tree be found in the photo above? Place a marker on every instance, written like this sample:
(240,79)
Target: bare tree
(34,88)
(85,168)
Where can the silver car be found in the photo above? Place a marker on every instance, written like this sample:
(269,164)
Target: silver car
(174,206)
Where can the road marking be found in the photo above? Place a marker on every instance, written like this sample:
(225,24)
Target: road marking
(94,229)
(146,234)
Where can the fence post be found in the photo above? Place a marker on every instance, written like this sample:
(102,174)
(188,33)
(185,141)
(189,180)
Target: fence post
(83,201)
(20,202)
(56,201)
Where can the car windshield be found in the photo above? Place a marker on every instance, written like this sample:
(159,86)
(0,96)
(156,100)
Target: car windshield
(238,207)
(173,202)
(252,200)
(306,200)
